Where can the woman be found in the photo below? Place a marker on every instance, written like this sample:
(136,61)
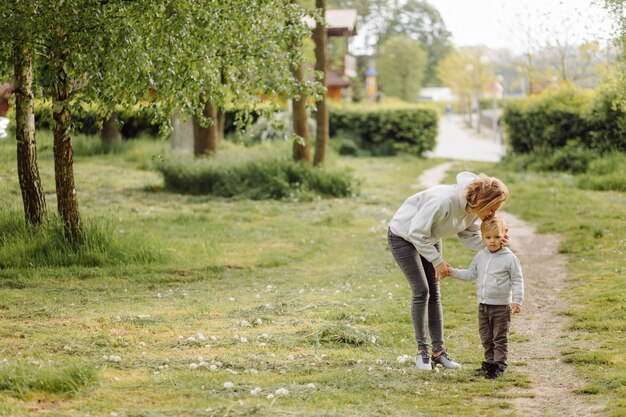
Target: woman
(415,234)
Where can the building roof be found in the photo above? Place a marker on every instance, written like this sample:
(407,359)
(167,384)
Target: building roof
(339,22)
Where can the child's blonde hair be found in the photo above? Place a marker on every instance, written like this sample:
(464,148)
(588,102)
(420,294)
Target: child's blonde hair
(493,223)
(485,192)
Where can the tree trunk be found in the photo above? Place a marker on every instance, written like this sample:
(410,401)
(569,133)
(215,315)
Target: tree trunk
(33,196)
(110,134)
(321,115)
(205,139)
(300,118)
(301,150)
(221,120)
(67,202)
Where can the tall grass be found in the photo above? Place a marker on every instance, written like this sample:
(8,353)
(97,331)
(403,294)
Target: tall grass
(262,172)
(20,379)
(103,244)
(606,173)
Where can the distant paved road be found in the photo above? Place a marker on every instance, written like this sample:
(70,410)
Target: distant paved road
(457,142)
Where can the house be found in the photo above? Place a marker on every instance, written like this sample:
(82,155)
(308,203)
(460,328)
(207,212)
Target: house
(341,66)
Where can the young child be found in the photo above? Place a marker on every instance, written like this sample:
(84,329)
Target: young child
(498,273)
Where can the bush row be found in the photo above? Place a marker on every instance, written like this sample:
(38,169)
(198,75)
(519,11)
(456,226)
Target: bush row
(255,174)
(134,121)
(551,120)
(386,131)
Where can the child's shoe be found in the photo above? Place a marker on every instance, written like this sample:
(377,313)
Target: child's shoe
(484,368)
(494,371)
(422,361)
(444,360)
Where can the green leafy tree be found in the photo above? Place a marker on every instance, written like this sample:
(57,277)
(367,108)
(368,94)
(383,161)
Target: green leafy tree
(170,54)
(418,20)
(401,67)
(17,50)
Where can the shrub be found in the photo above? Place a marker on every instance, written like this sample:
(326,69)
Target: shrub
(103,245)
(134,121)
(258,173)
(387,131)
(607,118)
(573,157)
(278,127)
(547,121)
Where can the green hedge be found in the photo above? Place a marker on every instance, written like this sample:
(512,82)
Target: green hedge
(134,121)
(548,121)
(386,131)
(594,120)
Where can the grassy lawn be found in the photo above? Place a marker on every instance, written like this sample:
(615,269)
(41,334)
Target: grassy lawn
(279,295)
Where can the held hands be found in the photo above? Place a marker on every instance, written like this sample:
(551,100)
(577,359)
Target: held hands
(443,270)
(516,308)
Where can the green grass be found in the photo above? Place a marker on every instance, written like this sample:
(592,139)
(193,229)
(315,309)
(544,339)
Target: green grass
(275,294)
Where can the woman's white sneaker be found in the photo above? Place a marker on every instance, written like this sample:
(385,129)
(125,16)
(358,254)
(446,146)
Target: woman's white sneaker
(445,361)
(422,361)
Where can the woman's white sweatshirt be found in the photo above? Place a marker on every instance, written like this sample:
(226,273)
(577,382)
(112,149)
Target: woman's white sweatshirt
(429,216)
(497,275)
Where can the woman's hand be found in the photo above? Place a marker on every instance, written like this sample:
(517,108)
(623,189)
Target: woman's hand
(516,308)
(505,238)
(442,270)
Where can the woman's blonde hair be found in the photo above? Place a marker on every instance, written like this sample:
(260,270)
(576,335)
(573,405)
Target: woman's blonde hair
(485,192)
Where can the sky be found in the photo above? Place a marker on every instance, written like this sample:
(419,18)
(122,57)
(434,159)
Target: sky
(501,23)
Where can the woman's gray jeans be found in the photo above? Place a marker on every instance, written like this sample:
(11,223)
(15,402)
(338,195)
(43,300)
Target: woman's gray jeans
(426,311)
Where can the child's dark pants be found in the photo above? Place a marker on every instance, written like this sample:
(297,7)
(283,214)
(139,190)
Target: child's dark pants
(493,326)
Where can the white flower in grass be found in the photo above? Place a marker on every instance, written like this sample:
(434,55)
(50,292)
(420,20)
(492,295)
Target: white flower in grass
(200,336)
(229,385)
(373,339)
(231,299)
(180,337)
(243,339)
(256,391)
(311,386)
(262,344)
(213,367)
(258,322)
(193,365)
(270,396)
(403,358)
(213,338)
(191,339)
(252,371)
(282,392)
(245,323)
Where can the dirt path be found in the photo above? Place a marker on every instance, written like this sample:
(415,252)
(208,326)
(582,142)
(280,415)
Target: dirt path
(540,327)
